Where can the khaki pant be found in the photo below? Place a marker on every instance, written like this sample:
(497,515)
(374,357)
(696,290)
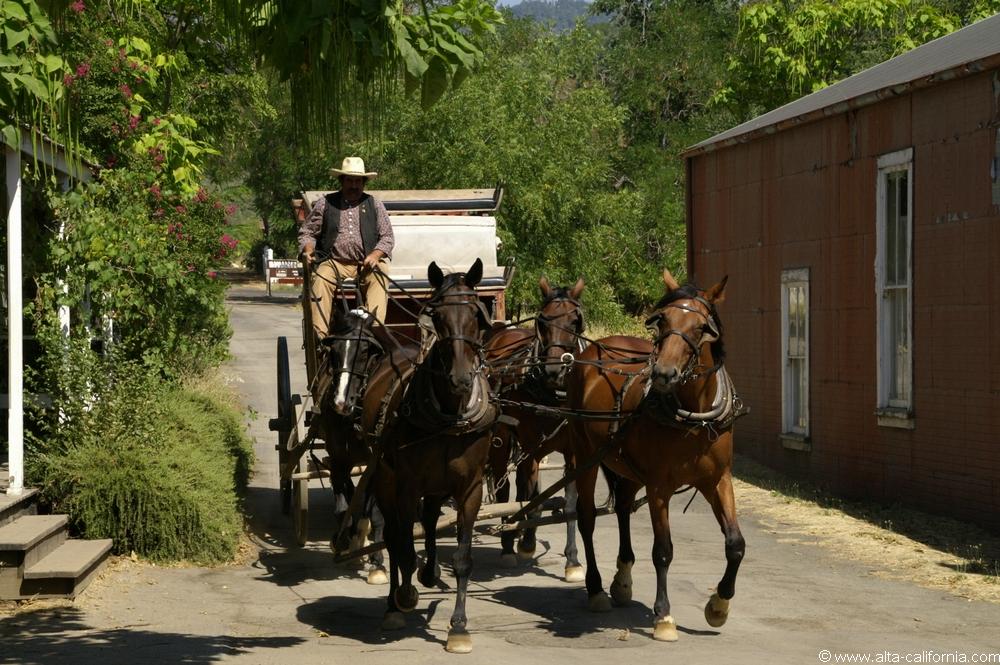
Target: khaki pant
(324,289)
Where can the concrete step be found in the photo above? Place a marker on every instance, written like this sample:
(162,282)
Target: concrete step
(26,533)
(13,506)
(67,570)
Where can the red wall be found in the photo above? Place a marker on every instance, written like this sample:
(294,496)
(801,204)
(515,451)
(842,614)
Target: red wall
(805,197)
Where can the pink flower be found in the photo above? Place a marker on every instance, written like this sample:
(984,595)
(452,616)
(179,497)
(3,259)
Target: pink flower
(158,158)
(133,122)
(217,205)
(212,274)
(109,42)
(132,64)
(154,189)
(158,212)
(180,209)
(127,91)
(231,208)
(78,6)
(68,80)
(228,241)
(83,69)
(115,69)
(156,121)
(202,195)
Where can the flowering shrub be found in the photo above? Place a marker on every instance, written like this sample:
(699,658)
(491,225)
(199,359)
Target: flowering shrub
(148,260)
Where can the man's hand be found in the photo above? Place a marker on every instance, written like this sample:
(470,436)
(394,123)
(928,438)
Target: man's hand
(307,254)
(371,261)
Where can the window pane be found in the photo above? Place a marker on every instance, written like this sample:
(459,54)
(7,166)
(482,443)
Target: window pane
(802,419)
(890,229)
(898,345)
(902,234)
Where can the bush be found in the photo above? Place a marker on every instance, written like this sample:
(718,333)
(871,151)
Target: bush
(156,467)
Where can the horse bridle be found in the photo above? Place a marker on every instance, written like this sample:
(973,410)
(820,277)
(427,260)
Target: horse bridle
(690,369)
(364,373)
(541,350)
(476,304)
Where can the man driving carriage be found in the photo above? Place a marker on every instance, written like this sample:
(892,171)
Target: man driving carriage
(350,233)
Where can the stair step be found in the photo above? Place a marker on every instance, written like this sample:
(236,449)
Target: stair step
(72,559)
(24,533)
(13,506)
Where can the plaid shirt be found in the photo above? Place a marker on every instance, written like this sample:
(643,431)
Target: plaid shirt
(348,245)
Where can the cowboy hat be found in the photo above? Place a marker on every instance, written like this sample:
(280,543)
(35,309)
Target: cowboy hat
(353,166)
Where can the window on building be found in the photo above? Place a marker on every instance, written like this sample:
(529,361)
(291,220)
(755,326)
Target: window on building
(795,351)
(894,285)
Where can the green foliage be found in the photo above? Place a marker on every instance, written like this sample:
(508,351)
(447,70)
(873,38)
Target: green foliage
(341,60)
(146,259)
(157,467)
(31,72)
(787,49)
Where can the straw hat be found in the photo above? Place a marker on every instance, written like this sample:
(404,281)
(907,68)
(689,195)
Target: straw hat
(353,166)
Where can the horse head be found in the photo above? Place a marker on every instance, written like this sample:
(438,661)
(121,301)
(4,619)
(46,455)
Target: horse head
(459,319)
(558,328)
(688,334)
(353,348)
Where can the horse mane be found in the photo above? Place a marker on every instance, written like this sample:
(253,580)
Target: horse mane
(688,292)
(558,293)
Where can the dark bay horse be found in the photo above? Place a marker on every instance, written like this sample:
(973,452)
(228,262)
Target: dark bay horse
(530,367)
(357,343)
(436,447)
(677,407)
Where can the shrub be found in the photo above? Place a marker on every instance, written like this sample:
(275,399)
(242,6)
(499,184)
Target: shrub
(157,467)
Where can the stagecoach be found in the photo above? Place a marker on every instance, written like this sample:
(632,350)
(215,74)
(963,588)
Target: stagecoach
(451,227)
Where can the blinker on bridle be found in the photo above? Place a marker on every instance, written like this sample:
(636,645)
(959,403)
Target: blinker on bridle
(652,324)
(483,315)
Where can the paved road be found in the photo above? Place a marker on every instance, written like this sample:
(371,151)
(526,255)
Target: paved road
(292,606)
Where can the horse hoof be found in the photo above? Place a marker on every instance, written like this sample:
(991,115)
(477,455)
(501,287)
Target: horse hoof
(574,574)
(525,554)
(508,560)
(621,586)
(377,576)
(393,621)
(665,630)
(429,578)
(716,611)
(459,641)
(599,602)
(406,598)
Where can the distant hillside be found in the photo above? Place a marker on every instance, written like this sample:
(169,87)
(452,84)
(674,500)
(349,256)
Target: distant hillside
(562,14)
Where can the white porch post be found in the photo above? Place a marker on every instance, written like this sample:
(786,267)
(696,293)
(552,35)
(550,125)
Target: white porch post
(15,340)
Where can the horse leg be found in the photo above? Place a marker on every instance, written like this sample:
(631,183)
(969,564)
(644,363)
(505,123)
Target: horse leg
(430,572)
(343,488)
(664,627)
(376,574)
(598,601)
(574,571)
(527,489)
(724,506)
(459,640)
(393,618)
(499,455)
(407,595)
(625,491)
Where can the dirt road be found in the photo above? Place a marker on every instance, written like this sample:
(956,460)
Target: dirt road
(795,602)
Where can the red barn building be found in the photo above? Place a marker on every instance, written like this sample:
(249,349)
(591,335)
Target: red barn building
(860,229)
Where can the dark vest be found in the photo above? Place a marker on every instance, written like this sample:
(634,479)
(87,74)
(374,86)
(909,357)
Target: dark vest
(367,216)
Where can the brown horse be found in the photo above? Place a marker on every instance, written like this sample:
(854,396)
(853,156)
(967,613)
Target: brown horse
(357,343)
(676,405)
(530,366)
(436,447)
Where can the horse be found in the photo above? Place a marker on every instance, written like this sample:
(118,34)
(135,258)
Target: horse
(672,407)
(530,366)
(435,447)
(351,352)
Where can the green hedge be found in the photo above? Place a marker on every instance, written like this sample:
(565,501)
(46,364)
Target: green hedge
(157,467)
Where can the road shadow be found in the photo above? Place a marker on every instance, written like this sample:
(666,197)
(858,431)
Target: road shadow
(59,635)
(360,619)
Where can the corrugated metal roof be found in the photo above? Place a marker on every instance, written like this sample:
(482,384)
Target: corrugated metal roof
(971,43)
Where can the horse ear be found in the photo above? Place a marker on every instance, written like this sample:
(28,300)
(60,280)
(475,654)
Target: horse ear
(717,293)
(544,285)
(434,275)
(475,274)
(669,281)
(577,289)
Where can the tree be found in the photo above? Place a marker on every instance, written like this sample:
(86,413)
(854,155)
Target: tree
(786,49)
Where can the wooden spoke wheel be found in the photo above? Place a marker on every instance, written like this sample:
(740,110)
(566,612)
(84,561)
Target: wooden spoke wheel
(285,422)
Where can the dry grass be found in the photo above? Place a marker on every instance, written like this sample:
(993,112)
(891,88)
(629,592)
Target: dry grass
(892,541)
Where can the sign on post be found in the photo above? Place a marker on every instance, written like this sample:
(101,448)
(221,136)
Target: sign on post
(283,271)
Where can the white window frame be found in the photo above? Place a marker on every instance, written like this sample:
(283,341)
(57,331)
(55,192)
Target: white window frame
(893,412)
(791,278)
